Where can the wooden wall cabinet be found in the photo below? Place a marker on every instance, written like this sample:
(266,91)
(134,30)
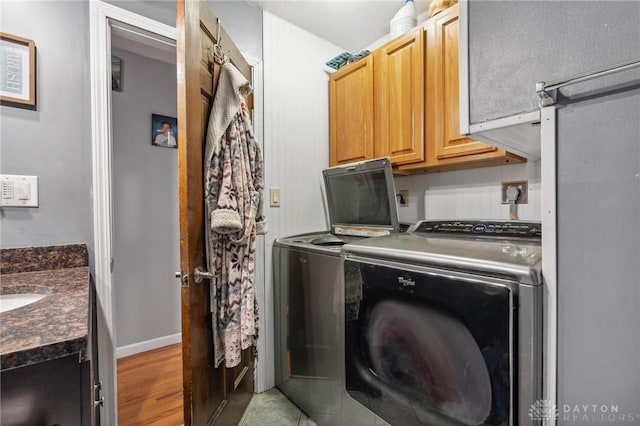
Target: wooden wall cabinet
(442,55)
(351,113)
(402,101)
(445,148)
(376,105)
(399,98)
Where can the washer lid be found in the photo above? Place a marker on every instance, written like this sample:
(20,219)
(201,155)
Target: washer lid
(361,198)
(517,257)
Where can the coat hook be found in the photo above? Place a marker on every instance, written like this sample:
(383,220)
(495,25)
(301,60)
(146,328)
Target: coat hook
(218,53)
(218,40)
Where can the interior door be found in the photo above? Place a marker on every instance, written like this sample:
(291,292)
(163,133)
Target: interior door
(211,394)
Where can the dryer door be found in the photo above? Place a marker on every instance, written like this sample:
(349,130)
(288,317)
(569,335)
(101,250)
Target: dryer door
(428,347)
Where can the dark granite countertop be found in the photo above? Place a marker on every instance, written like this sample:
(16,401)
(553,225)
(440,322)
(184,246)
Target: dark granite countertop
(54,326)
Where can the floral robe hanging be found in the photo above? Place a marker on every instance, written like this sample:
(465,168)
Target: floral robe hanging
(233,197)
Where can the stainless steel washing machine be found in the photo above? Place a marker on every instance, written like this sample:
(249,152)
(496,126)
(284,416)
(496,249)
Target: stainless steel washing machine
(309,305)
(309,335)
(443,323)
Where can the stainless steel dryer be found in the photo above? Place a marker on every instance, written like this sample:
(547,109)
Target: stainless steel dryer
(443,323)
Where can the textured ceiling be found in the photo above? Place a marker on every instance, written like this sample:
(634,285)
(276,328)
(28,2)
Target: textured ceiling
(352,25)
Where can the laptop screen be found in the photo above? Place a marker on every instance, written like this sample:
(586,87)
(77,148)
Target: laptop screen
(361,198)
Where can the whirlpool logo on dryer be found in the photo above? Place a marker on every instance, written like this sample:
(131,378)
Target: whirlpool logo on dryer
(406,282)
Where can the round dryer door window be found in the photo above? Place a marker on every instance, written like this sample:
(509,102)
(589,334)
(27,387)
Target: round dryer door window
(429,360)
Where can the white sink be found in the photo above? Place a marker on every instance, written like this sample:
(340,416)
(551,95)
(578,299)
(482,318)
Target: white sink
(14,301)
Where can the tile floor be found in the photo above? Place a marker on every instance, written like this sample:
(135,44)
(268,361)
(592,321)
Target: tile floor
(272,408)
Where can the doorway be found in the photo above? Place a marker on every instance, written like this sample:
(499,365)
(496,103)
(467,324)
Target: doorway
(109,24)
(145,196)
(145,226)
(103,19)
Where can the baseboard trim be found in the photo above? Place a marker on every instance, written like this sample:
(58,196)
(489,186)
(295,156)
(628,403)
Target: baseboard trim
(148,345)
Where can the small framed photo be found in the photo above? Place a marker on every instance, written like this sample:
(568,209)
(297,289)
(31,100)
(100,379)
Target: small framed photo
(116,74)
(17,71)
(164,131)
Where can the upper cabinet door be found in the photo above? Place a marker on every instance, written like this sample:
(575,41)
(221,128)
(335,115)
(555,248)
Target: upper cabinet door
(443,51)
(351,113)
(399,98)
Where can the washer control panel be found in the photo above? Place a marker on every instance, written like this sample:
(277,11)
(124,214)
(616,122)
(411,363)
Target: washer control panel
(492,228)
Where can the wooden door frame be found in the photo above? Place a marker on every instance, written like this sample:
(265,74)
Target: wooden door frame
(101,16)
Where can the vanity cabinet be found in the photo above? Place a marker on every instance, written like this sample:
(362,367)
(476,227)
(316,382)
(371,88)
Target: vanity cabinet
(408,92)
(48,393)
(48,356)
(58,391)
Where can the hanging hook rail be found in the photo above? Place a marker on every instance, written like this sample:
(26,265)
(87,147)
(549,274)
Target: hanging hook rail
(547,99)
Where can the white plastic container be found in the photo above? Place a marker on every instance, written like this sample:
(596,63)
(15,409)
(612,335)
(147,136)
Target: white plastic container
(404,20)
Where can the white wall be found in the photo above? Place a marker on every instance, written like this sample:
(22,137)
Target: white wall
(243,22)
(53,142)
(296,141)
(469,194)
(145,207)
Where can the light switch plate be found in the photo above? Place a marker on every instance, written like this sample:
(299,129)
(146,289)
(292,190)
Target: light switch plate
(274,197)
(19,191)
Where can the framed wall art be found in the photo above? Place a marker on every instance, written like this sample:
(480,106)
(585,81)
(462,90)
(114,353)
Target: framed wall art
(116,74)
(164,131)
(17,71)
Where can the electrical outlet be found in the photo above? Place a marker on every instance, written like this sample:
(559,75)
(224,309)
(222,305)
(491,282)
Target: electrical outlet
(404,198)
(522,185)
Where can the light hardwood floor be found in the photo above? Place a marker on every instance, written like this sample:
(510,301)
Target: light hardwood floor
(150,388)
(150,393)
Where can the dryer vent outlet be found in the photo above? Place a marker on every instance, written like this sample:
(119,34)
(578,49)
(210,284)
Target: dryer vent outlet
(522,185)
